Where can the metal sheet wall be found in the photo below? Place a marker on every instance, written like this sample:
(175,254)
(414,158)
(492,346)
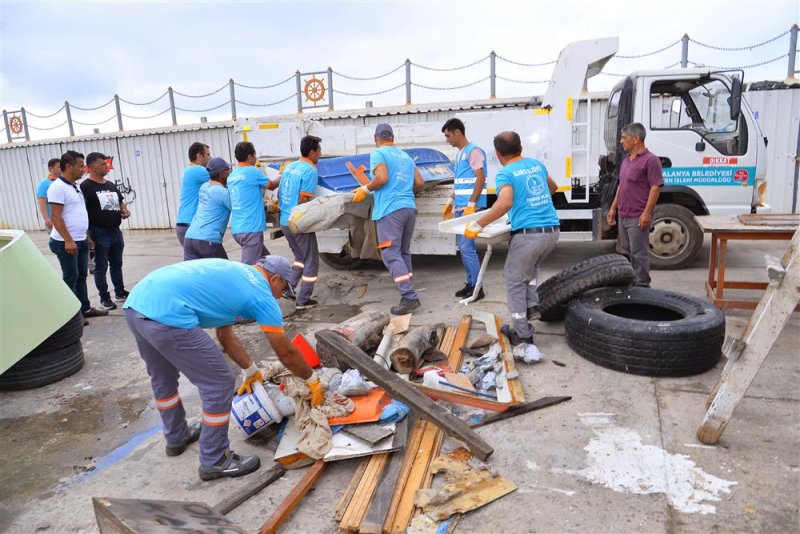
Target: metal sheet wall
(143,166)
(17,192)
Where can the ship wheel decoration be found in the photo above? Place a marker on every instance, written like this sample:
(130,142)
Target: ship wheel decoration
(15,124)
(314,90)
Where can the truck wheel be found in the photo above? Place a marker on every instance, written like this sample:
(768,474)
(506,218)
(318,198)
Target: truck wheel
(37,370)
(341,261)
(66,335)
(675,237)
(556,292)
(645,331)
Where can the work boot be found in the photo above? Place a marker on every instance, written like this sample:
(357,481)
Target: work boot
(230,465)
(122,295)
(193,434)
(307,305)
(512,336)
(533,313)
(405,306)
(93,312)
(465,291)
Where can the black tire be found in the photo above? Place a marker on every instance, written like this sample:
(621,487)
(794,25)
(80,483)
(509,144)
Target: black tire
(671,335)
(341,261)
(66,335)
(675,237)
(37,370)
(556,292)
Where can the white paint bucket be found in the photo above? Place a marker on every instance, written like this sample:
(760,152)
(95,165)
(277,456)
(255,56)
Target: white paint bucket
(255,411)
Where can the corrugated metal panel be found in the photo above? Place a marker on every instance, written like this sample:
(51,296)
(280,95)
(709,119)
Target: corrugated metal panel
(141,159)
(778,115)
(17,192)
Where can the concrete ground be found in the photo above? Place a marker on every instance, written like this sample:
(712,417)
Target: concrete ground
(620,457)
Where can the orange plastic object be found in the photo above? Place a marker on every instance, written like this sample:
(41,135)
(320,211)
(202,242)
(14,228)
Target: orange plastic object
(309,354)
(368,408)
(358,173)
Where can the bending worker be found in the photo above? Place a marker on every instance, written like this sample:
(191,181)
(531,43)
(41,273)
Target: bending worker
(525,192)
(394,180)
(167,312)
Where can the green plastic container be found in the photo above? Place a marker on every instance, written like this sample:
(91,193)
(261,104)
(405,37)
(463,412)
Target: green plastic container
(34,301)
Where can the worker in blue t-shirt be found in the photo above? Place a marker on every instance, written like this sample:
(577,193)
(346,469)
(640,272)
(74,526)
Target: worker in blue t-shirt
(167,312)
(204,236)
(394,180)
(525,192)
(246,186)
(54,169)
(194,176)
(298,184)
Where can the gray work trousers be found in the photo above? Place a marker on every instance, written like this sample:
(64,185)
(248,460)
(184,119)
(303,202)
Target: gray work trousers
(168,351)
(636,243)
(196,249)
(521,271)
(252,244)
(306,262)
(394,241)
(180,231)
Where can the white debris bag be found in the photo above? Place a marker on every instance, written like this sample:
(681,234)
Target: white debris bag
(353,384)
(319,214)
(527,352)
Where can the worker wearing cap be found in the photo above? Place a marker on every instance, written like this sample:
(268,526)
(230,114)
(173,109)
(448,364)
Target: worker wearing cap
(525,192)
(298,184)
(167,312)
(469,196)
(194,176)
(394,180)
(246,186)
(204,236)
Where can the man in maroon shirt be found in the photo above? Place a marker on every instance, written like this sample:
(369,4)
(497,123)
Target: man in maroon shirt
(640,182)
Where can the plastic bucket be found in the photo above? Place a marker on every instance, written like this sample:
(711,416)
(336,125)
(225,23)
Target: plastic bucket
(309,354)
(255,411)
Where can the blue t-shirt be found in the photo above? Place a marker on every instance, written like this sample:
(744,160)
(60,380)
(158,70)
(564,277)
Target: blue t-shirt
(298,177)
(213,212)
(193,177)
(41,191)
(247,200)
(206,293)
(533,204)
(398,192)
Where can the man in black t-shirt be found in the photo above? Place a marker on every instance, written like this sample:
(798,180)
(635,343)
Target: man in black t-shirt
(106,209)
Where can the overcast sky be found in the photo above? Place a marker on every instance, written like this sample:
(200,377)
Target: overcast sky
(85,52)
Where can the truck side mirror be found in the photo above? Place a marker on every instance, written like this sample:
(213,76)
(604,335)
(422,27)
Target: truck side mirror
(700,147)
(736,98)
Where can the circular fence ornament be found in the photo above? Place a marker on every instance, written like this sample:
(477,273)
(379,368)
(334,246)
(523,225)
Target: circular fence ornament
(314,90)
(15,124)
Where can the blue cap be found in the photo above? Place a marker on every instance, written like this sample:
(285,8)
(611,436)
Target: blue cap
(384,131)
(278,265)
(217,165)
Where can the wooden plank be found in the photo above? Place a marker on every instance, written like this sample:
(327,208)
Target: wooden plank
(408,461)
(288,505)
(405,393)
(372,523)
(514,384)
(520,409)
(372,433)
(347,496)
(351,521)
(132,516)
(264,479)
(769,219)
(463,398)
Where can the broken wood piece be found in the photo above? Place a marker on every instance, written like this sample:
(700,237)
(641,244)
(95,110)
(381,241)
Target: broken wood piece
(405,358)
(400,323)
(344,501)
(520,409)
(404,392)
(288,505)
(513,393)
(372,433)
(460,380)
(351,521)
(134,516)
(261,481)
(463,398)
(409,456)
(364,330)
(372,523)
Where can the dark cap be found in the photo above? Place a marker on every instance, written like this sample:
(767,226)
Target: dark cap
(280,266)
(217,165)
(94,156)
(384,131)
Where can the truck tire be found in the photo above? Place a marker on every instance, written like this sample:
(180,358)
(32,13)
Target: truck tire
(37,370)
(66,335)
(645,331)
(341,261)
(675,237)
(556,292)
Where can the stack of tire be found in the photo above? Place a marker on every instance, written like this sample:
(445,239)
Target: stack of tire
(55,358)
(635,330)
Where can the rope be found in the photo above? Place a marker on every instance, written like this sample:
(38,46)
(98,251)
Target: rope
(356,78)
(337,91)
(145,103)
(94,123)
(738,48)
(616,74)
(476,82)
(293,95)
(203,110)
(263,86)
(46,116)
(654,52)
(520,64)
(45,129)
(754,65)
(147,117)
(92,109)
(462,67)
(200,96)
(673,65)
(521,81)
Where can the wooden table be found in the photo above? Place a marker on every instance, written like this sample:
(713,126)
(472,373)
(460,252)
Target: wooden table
(724,228)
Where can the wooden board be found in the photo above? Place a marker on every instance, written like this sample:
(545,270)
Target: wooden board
(351,521)
(409,456)
(769,219)
(372,523)
(261,481)
(520,409)
(514,384)
(347,496)
(136,516)
(372,433)
(288,505)
(404,392)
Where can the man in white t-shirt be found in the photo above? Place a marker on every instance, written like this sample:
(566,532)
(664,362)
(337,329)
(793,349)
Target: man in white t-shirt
(68,239)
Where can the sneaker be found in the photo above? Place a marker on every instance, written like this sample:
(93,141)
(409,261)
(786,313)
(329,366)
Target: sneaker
(288,295)
(94,312)
(533,313)
(122,295)
(230,465)
(480,295)
(176,449)
(465,291)
(405,306)
(310,303)
(512,336)
(107,304)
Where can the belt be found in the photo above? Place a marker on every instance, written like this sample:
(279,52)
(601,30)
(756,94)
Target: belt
(182,225)
(542,230)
